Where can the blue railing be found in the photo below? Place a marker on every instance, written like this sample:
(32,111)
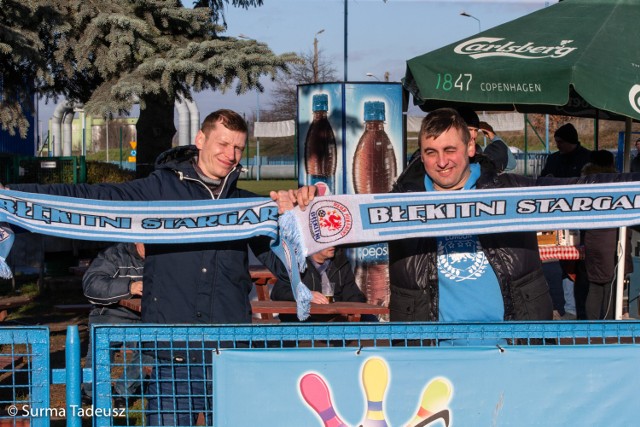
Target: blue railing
(191,347)
(24,374)
(565,348)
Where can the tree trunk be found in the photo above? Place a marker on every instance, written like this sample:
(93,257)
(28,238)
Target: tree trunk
(155,132)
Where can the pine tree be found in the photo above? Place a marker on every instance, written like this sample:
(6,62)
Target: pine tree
(112,55)
(25,27)
(152,51)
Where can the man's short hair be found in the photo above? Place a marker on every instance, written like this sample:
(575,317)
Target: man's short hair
(439,121)
(229,119)
(469,116)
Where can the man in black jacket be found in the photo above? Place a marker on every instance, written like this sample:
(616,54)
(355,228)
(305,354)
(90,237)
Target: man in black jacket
(191,283)
(489,277)
(330,278)
(571,156)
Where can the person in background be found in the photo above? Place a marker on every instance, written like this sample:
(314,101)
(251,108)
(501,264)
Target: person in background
(600,252)
(571,156)
(114,275)
(497,150)
(330,278)
(567,162)
(635,162)
(472,120)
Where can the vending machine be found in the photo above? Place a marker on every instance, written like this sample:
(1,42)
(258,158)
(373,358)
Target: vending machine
(351,136)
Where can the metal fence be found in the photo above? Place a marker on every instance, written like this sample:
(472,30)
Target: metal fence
(187,352)
(24,376)
(125,355)
(42,170)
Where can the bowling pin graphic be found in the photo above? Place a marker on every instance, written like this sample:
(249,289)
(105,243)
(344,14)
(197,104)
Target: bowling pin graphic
(435,400)
(375,377)
(316,393)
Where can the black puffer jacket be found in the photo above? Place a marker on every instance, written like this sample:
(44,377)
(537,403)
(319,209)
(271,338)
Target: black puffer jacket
(184,283)
(513,256)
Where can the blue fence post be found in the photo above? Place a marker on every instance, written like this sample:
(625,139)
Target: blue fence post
(74,377)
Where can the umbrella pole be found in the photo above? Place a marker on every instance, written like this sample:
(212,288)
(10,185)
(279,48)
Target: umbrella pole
(622,235)
(622,239)
(596,130)
(626,152)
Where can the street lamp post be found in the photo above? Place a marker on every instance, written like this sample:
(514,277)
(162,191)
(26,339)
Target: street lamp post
(242,36)
(467,15)
(258,139)
(315,55)
(346,7)
(386,76)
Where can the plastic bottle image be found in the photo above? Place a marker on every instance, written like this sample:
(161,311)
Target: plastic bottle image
(372,272)
(374,170)
(374,161)
(320,151)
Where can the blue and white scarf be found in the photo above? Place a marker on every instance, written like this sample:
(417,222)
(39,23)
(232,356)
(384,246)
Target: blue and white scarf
(6,240)
(327,221)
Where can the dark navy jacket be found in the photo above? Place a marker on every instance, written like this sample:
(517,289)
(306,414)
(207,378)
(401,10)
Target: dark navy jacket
(184,283)
(108,280)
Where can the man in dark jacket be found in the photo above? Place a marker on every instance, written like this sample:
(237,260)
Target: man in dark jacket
(568,161)
(191,283)
(489,277)
(114,275)
(601,256)
(571,156)
(330,278)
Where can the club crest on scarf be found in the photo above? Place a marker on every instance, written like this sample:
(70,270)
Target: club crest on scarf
(329,221)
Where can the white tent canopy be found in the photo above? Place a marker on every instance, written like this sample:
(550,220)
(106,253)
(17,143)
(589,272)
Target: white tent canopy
(274,129)
(501,122)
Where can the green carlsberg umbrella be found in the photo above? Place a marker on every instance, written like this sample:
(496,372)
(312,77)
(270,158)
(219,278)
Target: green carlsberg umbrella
(572,58)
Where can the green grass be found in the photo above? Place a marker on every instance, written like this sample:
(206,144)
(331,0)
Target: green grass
(264,186)
(114,155)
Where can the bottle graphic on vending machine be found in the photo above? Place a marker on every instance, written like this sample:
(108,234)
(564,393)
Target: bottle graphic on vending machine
(374,170)
(320,151)
(374,162)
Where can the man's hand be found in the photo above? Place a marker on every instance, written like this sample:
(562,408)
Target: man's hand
(487,130)
(318,298)
(287,200)
(135,288)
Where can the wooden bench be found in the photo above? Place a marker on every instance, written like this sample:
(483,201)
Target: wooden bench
(262,291)
(266,308)
(12,302)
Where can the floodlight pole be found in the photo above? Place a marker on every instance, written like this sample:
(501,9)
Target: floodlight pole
(315,56)
(465,14)
(346,12)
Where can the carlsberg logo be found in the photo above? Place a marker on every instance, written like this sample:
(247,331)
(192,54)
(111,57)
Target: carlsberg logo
(482,47)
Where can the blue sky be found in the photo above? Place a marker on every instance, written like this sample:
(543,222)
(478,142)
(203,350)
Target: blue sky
(381,36)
